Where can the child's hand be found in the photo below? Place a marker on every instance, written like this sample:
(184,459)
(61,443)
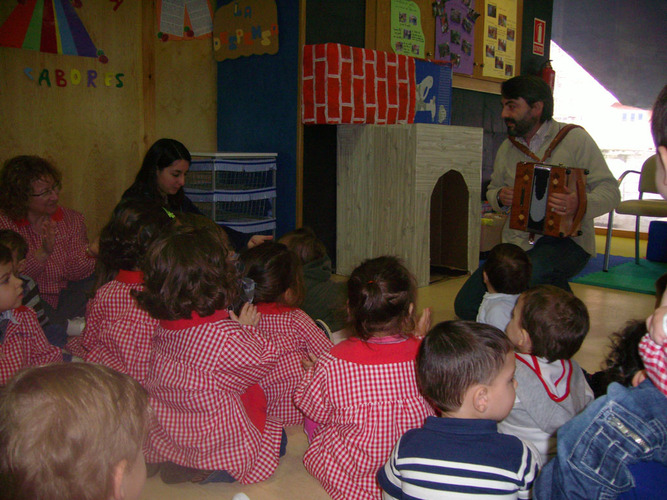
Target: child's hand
(656,324)
(249,315)
(308,362)
(423,323)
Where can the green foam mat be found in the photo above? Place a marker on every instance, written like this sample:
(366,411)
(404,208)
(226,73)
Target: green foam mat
(629,277)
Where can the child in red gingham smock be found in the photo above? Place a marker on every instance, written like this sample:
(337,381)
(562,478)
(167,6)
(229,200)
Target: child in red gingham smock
(293,334)
(363,395)
(118,332)
(22,341)
(209,415)
(653,346)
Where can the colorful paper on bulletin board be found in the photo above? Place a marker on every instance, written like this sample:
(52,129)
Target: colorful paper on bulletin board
(434,92)
(244,28)
(455,35)
(51,26)
(500,29)
(407,37)
(184,19)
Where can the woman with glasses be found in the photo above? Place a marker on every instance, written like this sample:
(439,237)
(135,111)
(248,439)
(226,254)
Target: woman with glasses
(59,257)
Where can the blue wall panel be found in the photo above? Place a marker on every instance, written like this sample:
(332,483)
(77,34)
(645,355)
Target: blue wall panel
(257,107)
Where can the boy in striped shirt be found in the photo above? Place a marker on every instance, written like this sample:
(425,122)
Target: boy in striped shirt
(466,371)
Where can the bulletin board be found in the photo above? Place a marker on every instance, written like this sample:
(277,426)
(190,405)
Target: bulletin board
(379,30)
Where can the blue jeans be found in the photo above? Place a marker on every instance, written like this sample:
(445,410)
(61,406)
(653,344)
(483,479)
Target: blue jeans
(554,260)
(598,448)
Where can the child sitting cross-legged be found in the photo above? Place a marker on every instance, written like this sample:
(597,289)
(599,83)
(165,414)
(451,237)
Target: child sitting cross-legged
(118,332)
(466,370)
(210,422)
(362,394)
(72,431)
(506,274)
(276,273)
(22,340)
(547,328)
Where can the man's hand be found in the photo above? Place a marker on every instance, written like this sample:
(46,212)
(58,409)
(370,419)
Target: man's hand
(506,196)
(566,203)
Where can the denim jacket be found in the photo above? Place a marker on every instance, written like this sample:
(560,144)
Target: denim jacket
(595,448)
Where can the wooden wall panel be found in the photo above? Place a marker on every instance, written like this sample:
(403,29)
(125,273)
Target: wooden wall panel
(98,135)
(186,93)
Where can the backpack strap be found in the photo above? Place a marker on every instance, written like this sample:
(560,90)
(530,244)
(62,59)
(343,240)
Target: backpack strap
(555,142)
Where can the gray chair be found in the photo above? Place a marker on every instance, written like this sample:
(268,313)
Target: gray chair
(638,208)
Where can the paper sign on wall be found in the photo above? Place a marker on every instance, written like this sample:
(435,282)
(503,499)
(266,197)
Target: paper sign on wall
(500,29)
(407,37)
(244,28)
(184,19)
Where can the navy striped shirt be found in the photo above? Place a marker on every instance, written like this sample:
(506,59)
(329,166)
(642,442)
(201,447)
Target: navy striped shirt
(458,458)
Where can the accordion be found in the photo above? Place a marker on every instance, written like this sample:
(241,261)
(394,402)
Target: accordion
(533,183)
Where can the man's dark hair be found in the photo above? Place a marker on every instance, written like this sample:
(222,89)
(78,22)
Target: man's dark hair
(531,89)
(659,119)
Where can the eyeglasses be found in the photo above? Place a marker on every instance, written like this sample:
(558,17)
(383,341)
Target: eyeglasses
(55,189)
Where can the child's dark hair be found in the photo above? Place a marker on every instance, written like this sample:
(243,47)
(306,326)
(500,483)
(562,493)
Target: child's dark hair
(454,356)
(275,270)
(508,269)
(380,294)
(305,244)
(556,321)
(5,255)
(125,238)
(15,242)
(623,361)
(186,270)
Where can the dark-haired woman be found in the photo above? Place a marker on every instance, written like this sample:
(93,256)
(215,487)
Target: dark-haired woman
(162,177)
(59,257)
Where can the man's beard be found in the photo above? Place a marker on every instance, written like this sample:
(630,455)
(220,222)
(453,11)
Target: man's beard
(521,126)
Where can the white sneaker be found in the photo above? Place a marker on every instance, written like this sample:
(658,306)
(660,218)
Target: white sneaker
(75,326)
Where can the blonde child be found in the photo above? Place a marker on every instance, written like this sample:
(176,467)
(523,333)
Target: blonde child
(547,328)
(363,394)
(209,421)
(293,334)
(72,430)
(22,340)
(118,332)
(466,370)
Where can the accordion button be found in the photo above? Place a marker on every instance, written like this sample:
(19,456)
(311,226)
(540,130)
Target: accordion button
(555,182)
(521,216)
(526,178)
(551,223)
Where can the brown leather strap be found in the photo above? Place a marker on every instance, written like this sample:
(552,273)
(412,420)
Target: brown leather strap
(559,137)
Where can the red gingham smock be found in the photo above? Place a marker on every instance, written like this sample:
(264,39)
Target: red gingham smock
(293,334)
(364,396)
(118,332)
(24,344)
(199,370)
(654,357)
(68,261)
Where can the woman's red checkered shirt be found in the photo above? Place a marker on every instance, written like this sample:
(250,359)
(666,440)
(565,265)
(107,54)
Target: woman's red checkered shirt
(363,396)
(69,260)
(198,371)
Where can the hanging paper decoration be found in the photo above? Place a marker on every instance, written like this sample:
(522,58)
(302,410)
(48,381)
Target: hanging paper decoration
(244,28)
(51,26)
(184,19)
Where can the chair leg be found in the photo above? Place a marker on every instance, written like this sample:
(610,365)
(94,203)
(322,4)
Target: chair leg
(607,244)
(637,241)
